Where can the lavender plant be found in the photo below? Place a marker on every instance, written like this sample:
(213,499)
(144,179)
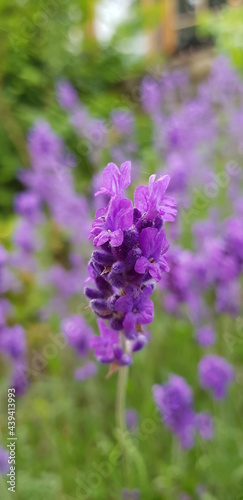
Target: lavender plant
(130,256)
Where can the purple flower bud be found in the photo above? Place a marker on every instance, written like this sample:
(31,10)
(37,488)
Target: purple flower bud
(158,222)
(99,305)
(116,280)
(92,293)
(139,343)
(103,258)
(117,323)
(103,286)
(136,215)
(125,360)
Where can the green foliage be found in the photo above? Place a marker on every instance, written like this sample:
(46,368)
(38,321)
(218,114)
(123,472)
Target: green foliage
(66,429)
(227,29)
(40,42)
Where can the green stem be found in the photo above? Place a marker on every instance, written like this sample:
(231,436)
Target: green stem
(120,415)
(121,399)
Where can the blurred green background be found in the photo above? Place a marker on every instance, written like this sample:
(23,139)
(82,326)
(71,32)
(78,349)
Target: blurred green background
(65,429)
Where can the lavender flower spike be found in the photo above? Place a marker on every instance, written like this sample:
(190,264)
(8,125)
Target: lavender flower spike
(129,257)
(175,401)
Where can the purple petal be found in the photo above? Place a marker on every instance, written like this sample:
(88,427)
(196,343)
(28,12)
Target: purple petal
(124,304)
(129,322)
(116,238)
(125,170)
(155,272)
(141,198)
(141,265)
(146,315)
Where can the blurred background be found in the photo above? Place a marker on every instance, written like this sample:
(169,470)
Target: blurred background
(103,49)
(97,53)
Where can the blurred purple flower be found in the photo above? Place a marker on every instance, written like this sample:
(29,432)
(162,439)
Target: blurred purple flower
(205,336)
(66,94)
(215,374)
(175,402)
(130,494)
(77,333)
(89,370)
(204,425)
(13,341)
(4,466)
(132,419)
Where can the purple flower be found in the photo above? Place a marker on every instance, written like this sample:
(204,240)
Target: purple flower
(44,145)
(123,121)
(3,256)
(19,379)
(106,346)
(130,494)
(110,223)
(204,425)
(205,336)
(27,204)
(4,466)
(215,374)
(137,307)
(25,237)
(115,181)
(175,402)
(13,341)
(66,95)
(153,245)
(152,200)
(77,333)
(132,247)
(5,310)
(87,371)
(132,419)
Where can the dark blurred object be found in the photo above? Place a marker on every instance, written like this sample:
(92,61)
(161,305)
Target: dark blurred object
(185,12)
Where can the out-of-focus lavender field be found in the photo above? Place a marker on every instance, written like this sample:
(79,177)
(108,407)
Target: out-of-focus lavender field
(121,259)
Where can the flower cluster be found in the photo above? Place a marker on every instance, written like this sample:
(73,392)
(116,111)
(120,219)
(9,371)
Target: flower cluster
(174,399)
(12,335)
(129,257)
(50,207)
